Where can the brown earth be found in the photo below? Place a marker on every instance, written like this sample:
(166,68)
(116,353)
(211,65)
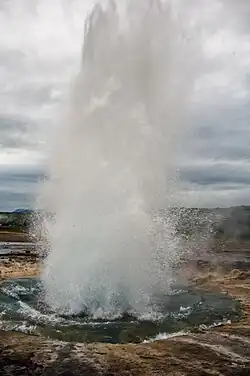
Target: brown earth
(18,266)
(221,351)
(13,236)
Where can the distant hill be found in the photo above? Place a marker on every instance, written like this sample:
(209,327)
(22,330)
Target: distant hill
(223,223)
(26,211)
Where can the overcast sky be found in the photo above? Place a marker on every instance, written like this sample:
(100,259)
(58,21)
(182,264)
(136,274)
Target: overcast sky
(40,47)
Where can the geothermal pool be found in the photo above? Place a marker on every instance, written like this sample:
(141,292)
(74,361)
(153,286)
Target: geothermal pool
(22,309)
(109,256)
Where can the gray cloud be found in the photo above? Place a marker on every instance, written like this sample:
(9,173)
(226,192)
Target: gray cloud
(14,132)
(221,134)
(13,200)
(18,188)
(39,54)
(8,178)
(217,174)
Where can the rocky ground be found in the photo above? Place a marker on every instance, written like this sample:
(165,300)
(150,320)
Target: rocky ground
(222,351)
(11,236)
(23,264)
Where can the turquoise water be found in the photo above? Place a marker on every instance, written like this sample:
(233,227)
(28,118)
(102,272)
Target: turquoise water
(22,309)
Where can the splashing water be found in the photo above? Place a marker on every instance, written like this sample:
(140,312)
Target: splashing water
(20,310)
(113,163)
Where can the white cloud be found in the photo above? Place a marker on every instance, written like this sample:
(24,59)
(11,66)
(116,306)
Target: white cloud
(15,157)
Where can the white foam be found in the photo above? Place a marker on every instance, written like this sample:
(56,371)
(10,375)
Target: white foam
(164,336)
(23,327)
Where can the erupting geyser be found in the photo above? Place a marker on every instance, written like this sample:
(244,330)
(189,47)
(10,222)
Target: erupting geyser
(113,163)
